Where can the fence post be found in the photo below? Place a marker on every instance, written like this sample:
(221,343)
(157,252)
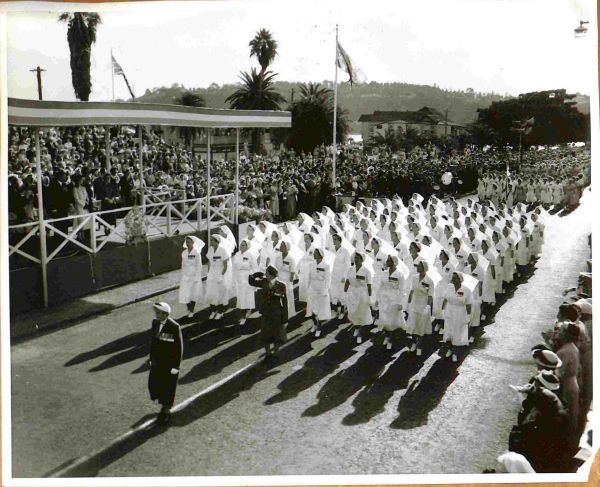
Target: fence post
(236,201)
(93,232)
(40,198)
(208,184)
(169,219)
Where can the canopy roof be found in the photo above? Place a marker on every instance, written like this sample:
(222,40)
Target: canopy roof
(60,114)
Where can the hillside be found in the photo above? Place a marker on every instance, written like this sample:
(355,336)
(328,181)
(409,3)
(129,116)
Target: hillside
(365,98)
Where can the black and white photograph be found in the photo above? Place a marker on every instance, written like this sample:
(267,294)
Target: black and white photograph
(298,242)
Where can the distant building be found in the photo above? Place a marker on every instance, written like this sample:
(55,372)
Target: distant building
(424,120)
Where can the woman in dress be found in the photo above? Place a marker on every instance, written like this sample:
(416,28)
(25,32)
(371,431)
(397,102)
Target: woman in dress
(80,200)
(308,246)
(477,267)
(456,309)
(190,284)
(245,263)
(219,278)
(287,260)
(319,285)
(392,297)
(420,303)
(358,289)
(341,263)
(447,265)
(566,349)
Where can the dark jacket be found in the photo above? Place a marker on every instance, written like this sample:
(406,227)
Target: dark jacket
(273,306)
(166,351)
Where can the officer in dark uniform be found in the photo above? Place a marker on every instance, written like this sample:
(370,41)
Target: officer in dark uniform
(166,350)
(271,299)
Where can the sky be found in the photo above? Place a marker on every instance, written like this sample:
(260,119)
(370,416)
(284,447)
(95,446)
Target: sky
(501,46)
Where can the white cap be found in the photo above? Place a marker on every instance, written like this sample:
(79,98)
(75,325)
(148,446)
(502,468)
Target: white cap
(162,307)
(515,463)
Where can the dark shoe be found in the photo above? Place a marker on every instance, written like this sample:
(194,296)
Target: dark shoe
(163,418)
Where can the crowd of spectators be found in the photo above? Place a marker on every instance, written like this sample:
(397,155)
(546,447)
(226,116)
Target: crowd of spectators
(557,399)
(76,178)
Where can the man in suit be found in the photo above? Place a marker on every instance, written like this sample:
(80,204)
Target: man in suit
(166,350)
(271,301)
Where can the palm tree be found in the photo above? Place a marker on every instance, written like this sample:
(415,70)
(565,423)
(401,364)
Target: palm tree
(256,93)
(315,92)
(264,48)
(312,119)
(189,99)
(81,34)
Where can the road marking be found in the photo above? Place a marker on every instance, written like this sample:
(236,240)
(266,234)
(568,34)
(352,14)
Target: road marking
(151,422)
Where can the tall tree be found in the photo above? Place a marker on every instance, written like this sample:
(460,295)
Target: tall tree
(189,99)
(264,47)
(312,119)
(81,34)
(257,92)
(556,118)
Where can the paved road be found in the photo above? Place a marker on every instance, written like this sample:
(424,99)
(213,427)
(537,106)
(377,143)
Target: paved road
(328,407)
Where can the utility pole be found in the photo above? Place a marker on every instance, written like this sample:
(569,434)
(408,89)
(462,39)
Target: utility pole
(292,97)
(38,70)
(446,124)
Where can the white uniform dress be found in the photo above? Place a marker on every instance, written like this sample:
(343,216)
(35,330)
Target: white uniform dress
(477,294)
(456,318)
(393,298)
(319,279)
(244,264)
(218,285)
(303,271)
(341,264)
(358,301)
(287,267)
(419,310)
(190,285)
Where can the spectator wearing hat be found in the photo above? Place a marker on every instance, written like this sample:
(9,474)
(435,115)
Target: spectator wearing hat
(543,426)
(166,351)
(272,304)
(566,349)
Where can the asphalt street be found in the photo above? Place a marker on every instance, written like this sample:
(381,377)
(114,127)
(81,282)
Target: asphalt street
(328,407)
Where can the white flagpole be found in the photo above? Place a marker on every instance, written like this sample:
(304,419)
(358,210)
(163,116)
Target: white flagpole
(335,109)
(112,74)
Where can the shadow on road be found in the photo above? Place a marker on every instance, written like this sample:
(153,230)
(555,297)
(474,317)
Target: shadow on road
(372,400)
(227,356)
(197,409)
(423,396)
(339,388)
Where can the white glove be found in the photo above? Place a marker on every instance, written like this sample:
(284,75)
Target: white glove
(174,371)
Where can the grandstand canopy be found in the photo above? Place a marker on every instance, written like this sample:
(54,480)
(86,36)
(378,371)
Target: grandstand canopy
(36,113)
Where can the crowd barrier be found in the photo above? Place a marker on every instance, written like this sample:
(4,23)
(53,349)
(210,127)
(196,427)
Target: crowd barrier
(56,260)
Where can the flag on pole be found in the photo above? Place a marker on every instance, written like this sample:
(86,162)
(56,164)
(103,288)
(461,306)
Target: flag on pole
(344,62)
(118,70)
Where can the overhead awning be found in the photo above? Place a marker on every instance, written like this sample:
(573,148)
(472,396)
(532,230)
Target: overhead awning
(36,113)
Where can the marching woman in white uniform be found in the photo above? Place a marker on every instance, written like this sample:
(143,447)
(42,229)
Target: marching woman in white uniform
(420,302)
(477,268)
(392,297)
(523,247)
(308,245)
(286,262)
(447,265)
(319,284)
(341,263)
(245,263)
(190,285)
(255,236)
(358,290)
(380,252)
(268,253)
(490,254)
(537,235)
(457,308)
(219,279)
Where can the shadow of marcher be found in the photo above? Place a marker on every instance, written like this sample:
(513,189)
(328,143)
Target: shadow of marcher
(422,397)
(314,369)
(372,400)
(349,381)
(225,357)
